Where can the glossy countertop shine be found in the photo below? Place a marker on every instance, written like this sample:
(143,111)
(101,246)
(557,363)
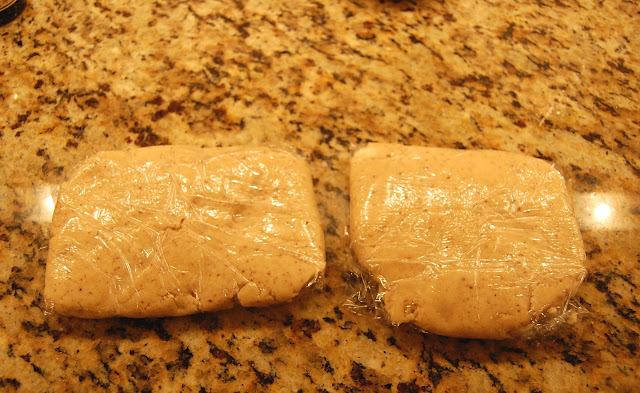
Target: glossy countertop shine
(556,80)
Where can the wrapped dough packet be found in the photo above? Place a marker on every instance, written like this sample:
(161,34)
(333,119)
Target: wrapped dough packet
(473,244)
(175,230)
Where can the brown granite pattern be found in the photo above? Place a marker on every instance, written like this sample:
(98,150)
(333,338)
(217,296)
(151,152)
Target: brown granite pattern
(553,79)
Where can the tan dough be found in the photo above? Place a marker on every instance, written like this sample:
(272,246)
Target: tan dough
(474,244)
(170,230)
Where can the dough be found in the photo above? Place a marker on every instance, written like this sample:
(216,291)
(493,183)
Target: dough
(169,230)
(474,244)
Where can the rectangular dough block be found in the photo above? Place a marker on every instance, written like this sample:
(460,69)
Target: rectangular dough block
(475,244)
(174,230)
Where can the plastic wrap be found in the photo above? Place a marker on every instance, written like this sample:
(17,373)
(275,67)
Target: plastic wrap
(170,230)
(474,244)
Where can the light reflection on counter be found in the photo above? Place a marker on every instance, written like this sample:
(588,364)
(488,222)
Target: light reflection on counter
(46,197)
(608,211)
(602,212)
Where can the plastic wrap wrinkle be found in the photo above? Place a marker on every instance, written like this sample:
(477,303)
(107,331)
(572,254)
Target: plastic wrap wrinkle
(174,230)
(476,244)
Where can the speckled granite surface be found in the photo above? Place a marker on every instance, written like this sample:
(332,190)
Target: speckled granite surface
(553,79)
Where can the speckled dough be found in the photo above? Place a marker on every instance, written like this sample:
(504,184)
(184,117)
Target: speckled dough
(166,231)
(473,244)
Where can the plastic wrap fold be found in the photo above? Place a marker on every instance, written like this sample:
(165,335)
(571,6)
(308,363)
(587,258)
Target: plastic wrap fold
(475,244)
(174,230)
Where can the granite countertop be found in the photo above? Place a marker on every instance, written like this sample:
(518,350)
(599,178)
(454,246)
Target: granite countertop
(556,80)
